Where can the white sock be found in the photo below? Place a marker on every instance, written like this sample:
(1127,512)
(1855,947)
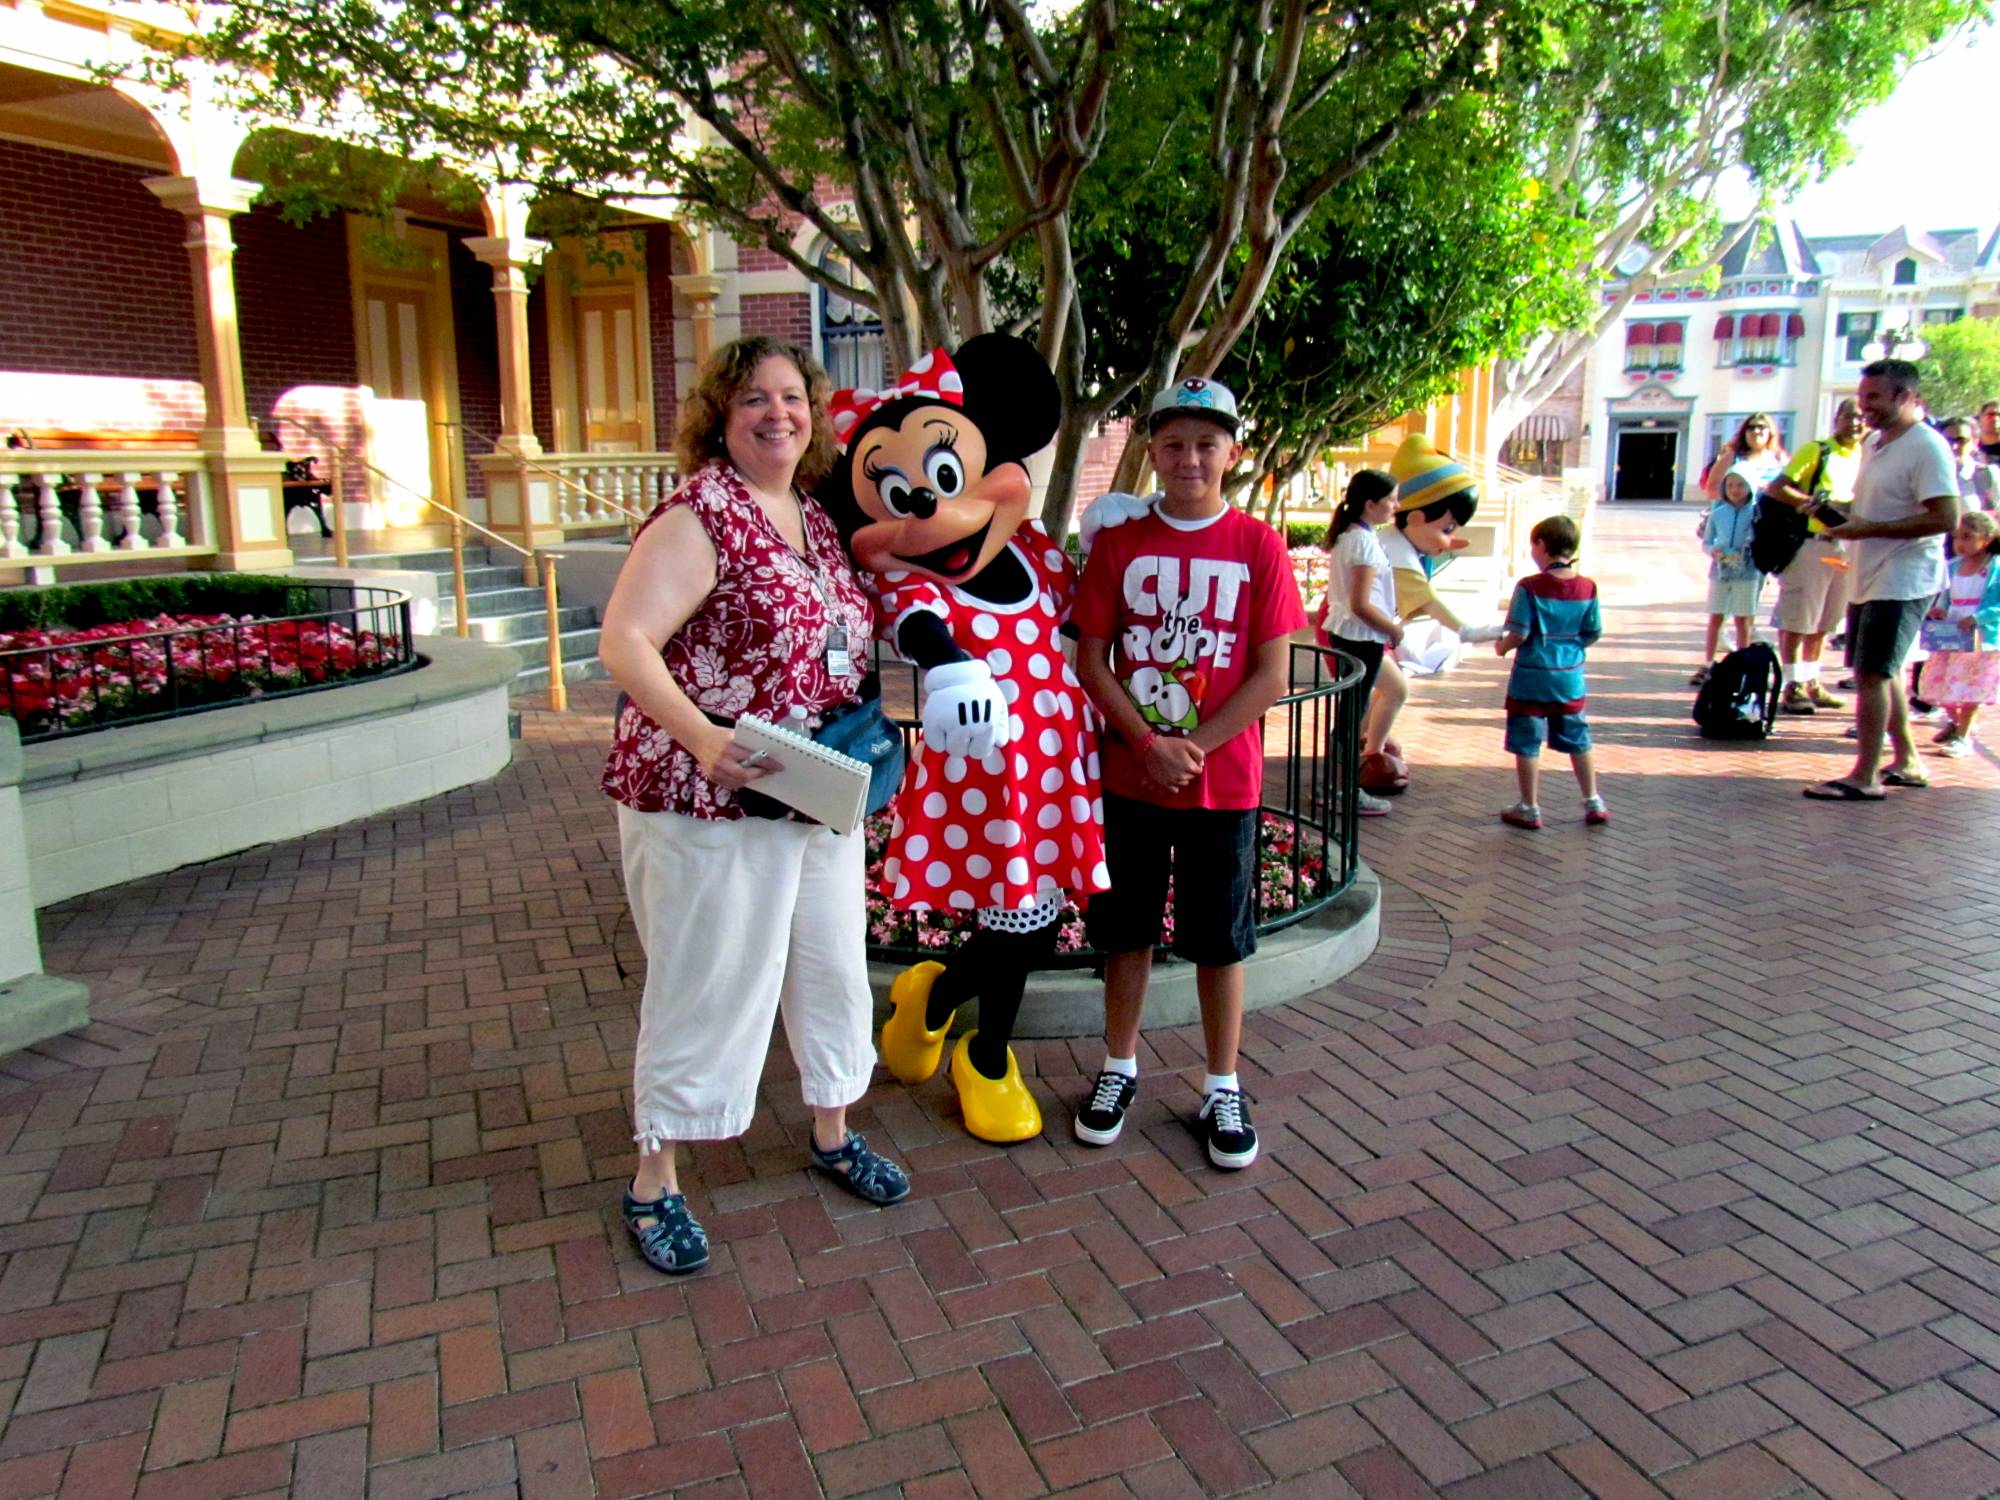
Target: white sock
(1795,673)
(1214,1083)
(1808,671)
(1129,1066)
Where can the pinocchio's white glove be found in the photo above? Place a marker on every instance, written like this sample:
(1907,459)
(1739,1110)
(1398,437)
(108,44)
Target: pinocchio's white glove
(1479,635)
(964,712)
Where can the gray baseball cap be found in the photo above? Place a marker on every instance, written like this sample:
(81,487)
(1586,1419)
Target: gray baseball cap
(1195,397)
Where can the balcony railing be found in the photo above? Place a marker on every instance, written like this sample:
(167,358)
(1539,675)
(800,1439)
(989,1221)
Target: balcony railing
(60,506)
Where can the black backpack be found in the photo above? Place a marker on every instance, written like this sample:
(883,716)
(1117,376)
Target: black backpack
(1778,530)
(1740,699)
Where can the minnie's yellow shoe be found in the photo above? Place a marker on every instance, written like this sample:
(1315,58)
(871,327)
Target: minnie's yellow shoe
(1000,1110)
(911,1050)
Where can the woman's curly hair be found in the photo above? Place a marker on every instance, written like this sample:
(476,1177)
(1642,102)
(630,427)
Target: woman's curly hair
(698,438)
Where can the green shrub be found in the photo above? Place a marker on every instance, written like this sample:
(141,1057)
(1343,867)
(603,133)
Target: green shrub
(1305,534)
(79,606)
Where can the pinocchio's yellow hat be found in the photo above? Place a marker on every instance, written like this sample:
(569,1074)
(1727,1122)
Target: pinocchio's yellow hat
(1424,475)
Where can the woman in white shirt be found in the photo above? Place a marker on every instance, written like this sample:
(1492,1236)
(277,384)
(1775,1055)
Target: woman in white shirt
(1358,615)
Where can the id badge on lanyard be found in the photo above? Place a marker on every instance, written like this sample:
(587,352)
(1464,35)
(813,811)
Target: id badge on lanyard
(839,658)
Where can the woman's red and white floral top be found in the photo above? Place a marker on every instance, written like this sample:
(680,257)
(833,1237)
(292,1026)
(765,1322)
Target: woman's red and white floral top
(756,645)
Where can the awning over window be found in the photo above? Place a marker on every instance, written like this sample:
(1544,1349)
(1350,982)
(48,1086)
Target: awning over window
(1769,325)
(1638,333)
(1670,333)
(1725,328)
(1795,325)
(1546,427)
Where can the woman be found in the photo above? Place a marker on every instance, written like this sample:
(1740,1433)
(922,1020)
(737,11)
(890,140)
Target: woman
(738,599)
(1755,451)
(1358,614)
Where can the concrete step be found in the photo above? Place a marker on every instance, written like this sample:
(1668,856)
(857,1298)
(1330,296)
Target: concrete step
(521,625)
(434,560)
(535,679)
(494,601)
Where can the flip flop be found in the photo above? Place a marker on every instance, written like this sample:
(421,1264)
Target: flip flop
(1843,791)
(1905,778)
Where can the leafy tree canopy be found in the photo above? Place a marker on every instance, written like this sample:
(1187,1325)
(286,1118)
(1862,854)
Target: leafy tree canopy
(1961,372)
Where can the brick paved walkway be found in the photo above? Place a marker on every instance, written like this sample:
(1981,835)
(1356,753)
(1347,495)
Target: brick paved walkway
(1655,1159)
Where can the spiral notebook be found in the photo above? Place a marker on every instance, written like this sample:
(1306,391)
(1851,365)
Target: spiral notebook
(825,785)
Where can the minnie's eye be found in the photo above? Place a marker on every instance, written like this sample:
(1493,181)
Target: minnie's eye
(945,472)
(894,490)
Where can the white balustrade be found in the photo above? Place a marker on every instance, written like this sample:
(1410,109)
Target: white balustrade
(170,517)
(90,515)
(606,489)
(49,505)
(98,496)
(126,509)
(10,519)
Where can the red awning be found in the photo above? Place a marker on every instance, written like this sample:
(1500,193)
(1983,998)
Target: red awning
(1770,325)
(1638,333)
(1795,325)
(1725,327)
(1670,333)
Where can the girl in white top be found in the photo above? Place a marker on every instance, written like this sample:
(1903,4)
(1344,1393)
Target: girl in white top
(1358,612)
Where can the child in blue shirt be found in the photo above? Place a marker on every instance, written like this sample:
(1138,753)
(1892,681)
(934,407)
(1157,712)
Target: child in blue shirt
(1552,620)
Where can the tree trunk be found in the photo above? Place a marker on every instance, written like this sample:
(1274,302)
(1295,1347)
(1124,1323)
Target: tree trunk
(1059,505)
(1132,462)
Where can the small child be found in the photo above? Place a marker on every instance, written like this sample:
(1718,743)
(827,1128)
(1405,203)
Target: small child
(1552,620)
(1733,580)
(1965,680)
(1358,614)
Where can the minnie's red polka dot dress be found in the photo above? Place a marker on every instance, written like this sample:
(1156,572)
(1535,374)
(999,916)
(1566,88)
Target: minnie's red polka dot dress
(1009,831)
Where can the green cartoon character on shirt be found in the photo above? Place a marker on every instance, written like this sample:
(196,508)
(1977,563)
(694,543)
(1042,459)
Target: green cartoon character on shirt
(1170,698)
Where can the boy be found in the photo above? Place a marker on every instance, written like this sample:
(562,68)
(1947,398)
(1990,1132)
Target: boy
(1552,620)
(1184,618)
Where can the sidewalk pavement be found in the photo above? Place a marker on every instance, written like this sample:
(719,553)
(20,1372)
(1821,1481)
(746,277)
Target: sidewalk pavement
(1661,1158)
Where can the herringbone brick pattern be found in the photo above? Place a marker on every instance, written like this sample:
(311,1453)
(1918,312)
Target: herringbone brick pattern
(1659,1159)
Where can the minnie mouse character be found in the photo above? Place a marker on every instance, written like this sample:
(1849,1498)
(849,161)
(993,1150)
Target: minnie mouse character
(1000,812)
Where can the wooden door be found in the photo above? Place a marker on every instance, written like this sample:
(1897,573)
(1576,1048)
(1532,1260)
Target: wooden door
(606,320)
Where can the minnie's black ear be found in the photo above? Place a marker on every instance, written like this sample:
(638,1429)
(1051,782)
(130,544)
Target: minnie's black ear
(1010,393)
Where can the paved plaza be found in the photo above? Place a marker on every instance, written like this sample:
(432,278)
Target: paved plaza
(1656,1159)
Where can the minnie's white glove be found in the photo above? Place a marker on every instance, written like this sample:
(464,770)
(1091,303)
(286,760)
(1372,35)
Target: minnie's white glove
(1479,635)
(1112,508)
(964,713)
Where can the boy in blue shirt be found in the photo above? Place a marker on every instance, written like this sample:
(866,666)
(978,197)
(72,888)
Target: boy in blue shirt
(1552,620)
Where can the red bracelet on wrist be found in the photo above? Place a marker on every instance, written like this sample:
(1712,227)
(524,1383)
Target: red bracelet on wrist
(1147,743)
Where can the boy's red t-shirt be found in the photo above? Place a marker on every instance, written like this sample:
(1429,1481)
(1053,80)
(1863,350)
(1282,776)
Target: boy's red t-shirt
(1186,606)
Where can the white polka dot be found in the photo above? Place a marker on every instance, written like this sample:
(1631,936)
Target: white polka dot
(923,775)
(891,867)
(1038,667)
(1050,815)
(1050,742)
(1020,804)
(1076,773)
(1090,768)
(1003,832)
(972,799)
(962,901)
(937,872)
(1000,660)
(985,627)
(895,575)
(1100,875)
(1017,870)
(902,887)
(1044,884)
(955,837)
(1079,809)
(1069,677)
(1053,559)
(1045,703)
(998,894)
(1097,809)
(1052,780)
(978,866)
(1075,878)
(1046,852)
(917,848)
(1028,631)
(1017,727)
(1009,689)
(1076,848)
(935,805)
(993,763)
(1021,767)
(954,768)
(1068,706)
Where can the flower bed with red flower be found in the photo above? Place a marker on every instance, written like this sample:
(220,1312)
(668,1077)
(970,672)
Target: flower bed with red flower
(74,679)
(1277,892)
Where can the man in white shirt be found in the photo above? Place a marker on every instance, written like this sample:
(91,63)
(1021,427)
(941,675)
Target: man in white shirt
(1905,499)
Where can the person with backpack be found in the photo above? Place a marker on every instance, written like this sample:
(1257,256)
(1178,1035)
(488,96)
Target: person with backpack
(1809,561)
(1551,622)
(1733,580)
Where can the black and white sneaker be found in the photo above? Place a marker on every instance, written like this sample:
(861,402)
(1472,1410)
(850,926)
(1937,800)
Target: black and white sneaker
(1103,1113)
(1224,1127)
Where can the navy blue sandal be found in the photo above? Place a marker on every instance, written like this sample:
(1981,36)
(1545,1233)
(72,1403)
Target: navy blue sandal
(670,1238)
(866,1174)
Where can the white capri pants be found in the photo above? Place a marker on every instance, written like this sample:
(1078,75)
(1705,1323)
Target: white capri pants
(738,919)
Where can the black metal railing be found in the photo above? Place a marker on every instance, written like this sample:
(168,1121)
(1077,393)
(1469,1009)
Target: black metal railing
(72,682)
(1308,847)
